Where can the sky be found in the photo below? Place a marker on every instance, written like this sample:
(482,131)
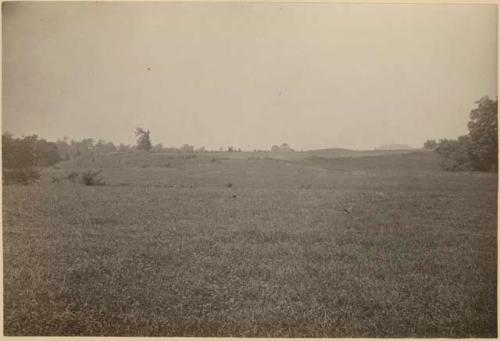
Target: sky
(246,75)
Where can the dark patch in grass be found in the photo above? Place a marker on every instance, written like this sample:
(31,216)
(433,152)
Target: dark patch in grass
(103,221)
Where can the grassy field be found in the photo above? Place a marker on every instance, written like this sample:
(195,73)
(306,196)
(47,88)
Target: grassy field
(253,245)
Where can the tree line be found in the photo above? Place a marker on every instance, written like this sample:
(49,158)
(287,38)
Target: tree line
(24,156)
(478,150)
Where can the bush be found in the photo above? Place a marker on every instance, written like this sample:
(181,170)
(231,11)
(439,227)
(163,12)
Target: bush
(22,156)
(17,153)
(28,152)
(90,178)
(23,176)
(73,176)
(430,144)
(46,153)
(455,154)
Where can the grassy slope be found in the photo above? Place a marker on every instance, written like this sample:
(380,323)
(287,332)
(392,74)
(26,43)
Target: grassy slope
(171,250)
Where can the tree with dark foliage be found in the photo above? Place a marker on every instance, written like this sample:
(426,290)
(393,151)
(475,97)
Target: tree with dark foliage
(430,144)
(21,157)
(483,132)
(479,149)
(143,139)
(46,153)
(455,154)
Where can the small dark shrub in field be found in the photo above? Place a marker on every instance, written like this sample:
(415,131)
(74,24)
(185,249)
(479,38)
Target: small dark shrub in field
(20,176)
(229,185)
(214,159)
(308,186)
(90,178)
(73,176)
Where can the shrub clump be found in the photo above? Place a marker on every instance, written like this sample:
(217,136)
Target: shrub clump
(23,157)
(479,149)
(73,177)
(455,154)
(23,176)
(88,178)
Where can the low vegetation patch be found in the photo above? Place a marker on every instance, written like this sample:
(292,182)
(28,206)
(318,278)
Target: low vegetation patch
(92,178)
(87,178)
(23,176)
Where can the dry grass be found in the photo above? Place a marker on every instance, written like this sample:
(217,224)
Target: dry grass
(174,251)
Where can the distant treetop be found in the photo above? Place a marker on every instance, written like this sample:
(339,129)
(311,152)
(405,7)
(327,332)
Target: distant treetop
(143,139)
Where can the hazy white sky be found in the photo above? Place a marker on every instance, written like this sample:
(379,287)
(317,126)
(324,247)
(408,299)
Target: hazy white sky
(248,75)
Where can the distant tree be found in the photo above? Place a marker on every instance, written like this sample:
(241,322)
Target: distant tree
(230,149)
(63,148)
(477,150)
(124,147)
(455,154)
(87,144)
(201,150)
(157,148)
(46,153)
(29,151)
(100,144)
(186,148)
(430,144)
(110,147)
(143,139)
(84,146)
(285,148)
(17,153)
(73,148)
(23,156)
(483,134)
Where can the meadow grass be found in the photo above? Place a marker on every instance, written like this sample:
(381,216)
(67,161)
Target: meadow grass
(175,251)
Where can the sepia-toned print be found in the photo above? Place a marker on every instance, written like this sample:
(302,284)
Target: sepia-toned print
(233,169)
